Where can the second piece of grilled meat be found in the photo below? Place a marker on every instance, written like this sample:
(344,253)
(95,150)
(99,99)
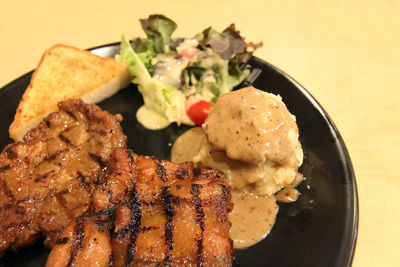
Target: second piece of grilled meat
(47,180)
(159,214)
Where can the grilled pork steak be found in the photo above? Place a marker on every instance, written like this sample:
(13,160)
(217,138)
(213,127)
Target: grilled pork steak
(74,181)
(47,180)
(159,214)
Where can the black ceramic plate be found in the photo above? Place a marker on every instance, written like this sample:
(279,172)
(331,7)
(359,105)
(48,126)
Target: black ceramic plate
(319,229)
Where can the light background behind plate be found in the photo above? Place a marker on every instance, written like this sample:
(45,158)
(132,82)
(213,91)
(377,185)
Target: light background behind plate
(346,53)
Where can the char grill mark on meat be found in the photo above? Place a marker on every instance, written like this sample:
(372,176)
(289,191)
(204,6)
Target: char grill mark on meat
(85,241)
(181,173)
(99,160)
(196,172)
(62,240)
(166,199)
(83,180)
(200,219)
(70,113)
(161,171)
(48,179)
(78,241)
(65,140)
(135,217)
(10,153)
(6,192)
(5,168)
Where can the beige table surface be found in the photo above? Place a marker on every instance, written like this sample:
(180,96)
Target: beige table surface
(346,53)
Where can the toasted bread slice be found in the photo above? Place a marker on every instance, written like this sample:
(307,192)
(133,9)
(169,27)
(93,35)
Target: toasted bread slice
(66,72)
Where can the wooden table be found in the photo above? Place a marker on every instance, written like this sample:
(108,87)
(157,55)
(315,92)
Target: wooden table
(346,53)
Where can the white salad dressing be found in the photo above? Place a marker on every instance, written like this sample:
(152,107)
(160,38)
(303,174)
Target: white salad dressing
(151,119)
(168,69)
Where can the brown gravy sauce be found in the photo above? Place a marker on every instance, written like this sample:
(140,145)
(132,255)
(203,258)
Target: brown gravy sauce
(252,126)
(252,216)
(251,136)
(187,145)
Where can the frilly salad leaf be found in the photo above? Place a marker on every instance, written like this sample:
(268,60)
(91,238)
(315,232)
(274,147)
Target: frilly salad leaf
(213,71)
(157,96)
(226,44)
(159,29)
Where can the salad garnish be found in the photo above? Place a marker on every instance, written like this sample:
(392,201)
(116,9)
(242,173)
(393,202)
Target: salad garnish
(174,74)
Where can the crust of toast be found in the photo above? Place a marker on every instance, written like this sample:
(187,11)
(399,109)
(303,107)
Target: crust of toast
(66,72)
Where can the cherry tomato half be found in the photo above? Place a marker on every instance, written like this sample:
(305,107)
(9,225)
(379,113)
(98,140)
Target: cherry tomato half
(198,112)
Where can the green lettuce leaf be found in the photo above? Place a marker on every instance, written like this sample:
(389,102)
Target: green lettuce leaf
(156,96)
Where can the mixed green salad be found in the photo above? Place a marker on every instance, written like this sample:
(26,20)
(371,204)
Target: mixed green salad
(181,78)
